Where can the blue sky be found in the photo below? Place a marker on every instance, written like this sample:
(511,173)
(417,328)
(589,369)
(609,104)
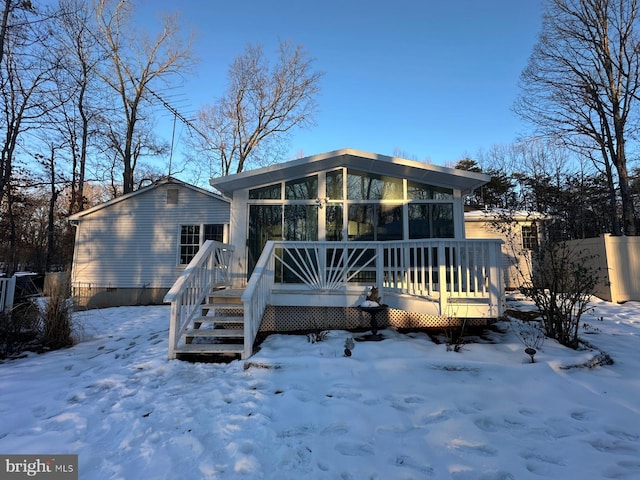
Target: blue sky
(433,79)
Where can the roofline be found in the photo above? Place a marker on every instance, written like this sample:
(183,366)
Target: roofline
(500,214)
(220,182)
(165,181)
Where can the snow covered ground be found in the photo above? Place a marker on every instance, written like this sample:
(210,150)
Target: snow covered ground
(402,408)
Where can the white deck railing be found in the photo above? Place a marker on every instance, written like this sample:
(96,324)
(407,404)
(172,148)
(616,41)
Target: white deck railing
(209,268)
(256,296)
(442,271)
(7,291)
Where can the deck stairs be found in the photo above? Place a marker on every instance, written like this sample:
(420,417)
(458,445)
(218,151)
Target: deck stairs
(219,329)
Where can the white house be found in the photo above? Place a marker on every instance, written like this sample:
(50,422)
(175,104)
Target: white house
(308,238)
(130,250)
(521,233)
(295,246)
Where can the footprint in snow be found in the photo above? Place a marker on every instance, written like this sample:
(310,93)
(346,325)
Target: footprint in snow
(615,446)
(352,449)
(548,459)
(472,447)
(582,415)
(412,463)
(619,434)
(335,429)
(435,417)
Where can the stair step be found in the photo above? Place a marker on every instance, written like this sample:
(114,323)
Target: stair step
(215,332)
(220,320)
(223,306)
(218,348)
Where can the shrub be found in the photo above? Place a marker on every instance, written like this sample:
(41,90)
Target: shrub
(561,286)
(18,329)
(56,329)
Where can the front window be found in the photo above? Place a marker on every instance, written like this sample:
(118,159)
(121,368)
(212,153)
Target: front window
(193,236)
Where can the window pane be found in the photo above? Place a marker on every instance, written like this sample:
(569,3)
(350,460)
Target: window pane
(421,191)
(270,192)
(213,232)
(431,220)
(189,242)
(301,222)
(361,222)
(375,222)
(366,186)
(389,223)
(419,225)
(442,220)
(302,188)
(265,223)
(530,237)
(334,223)
(334,185)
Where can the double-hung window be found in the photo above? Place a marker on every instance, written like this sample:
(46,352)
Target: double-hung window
(529,237)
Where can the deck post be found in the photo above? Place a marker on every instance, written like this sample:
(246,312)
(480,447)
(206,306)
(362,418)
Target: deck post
(173,328)
(442,278)
(495,281)
(380,283)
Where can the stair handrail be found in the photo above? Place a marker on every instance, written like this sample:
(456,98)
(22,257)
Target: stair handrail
(257,295)
(209,267)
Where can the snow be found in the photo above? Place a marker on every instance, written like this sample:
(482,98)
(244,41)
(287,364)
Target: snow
(401,408)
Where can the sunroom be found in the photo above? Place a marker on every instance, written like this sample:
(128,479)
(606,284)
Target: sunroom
(310,237)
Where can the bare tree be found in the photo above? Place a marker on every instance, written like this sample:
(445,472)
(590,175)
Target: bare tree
(261,106)
(581,85)
(137,64)
(79,57)
(26,82)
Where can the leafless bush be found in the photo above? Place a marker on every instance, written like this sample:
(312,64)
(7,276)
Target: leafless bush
(561,286)
(18,329)
(56,324)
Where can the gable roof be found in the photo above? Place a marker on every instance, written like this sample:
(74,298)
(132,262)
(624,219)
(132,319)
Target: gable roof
(369,162)
(140,191)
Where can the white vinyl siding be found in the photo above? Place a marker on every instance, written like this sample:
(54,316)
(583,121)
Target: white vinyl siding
(134,243)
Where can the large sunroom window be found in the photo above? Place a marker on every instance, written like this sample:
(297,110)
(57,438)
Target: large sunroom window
(367,186)
(369,221)
(421,191)
(431,220)
(270,192)
(301,189)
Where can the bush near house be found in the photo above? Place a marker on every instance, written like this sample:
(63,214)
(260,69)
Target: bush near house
(561,285)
